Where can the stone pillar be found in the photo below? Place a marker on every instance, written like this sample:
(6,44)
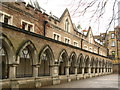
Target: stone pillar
(35,70)
(97,70)
(101,70)
(83,70)
(76,70)
(104,70)
(55,70)
(12,71)
(67,70)
(93,70)
(89,70)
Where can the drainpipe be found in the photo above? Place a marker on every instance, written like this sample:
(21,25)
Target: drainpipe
(45,22)
(81,43)
(108,52)
(98,49)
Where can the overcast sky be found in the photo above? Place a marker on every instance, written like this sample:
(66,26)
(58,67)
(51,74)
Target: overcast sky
(57,8)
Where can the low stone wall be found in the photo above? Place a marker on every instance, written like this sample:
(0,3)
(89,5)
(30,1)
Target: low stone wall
(39,82)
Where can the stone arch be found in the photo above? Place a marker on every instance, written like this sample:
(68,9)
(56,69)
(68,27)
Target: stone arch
(96,64)
(87,63)
(46,60)
(27,57)
(73,62)
(63,62)
(92,64)
(7,55)
(81,63)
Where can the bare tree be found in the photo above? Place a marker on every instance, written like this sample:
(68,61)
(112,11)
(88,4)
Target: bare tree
(97,8)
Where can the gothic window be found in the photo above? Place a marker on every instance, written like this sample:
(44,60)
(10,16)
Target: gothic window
(112,35)
(67,25)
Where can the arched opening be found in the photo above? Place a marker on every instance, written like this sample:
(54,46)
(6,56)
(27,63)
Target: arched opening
(27,57)
(63,60)
(72,63)
(67,25)
(87,62)
(96,65)
(46,59)
(92,65)
(7,56)
(81,63)
(103,64)
(4,67)
(100,66)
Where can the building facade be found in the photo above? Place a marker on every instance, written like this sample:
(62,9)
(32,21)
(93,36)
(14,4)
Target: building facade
(38,49)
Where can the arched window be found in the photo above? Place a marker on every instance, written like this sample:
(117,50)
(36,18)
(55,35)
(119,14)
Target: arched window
(24,69)
(4,69)
(67,25)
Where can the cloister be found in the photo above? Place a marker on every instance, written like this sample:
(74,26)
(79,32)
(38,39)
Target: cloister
(34,60)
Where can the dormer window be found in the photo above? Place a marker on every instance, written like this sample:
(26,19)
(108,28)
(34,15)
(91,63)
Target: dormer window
(67,25)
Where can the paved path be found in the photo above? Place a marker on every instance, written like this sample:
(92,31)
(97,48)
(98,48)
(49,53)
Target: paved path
(108,81)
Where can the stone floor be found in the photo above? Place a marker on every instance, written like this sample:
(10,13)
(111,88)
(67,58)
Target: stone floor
(108,81)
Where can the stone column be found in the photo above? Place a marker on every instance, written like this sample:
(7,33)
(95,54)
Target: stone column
(67,70)
(76,70)
(104,70)
(89,70)
(101,70)
(93,70)
(12,70)
(97,70)
(83,70)
(55,70)
(35,70)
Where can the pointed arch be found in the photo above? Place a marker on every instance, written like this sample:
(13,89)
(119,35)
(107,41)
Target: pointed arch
(63,52)
(49,51)
(73,62)
(46,59)
(27,57)
(73,54)
(7,55)
(63,62)
(92,61)
(80,61)
(32,50)
(87,63)
(6,43)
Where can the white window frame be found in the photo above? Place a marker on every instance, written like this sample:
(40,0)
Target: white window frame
(10,22)
(57,35)
(90,49)
(76,43)
(112,35)
(85,47)
(68,39)
(28,23)
(113,43)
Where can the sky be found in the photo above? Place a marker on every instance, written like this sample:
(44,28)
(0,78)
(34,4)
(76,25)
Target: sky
(57,8)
